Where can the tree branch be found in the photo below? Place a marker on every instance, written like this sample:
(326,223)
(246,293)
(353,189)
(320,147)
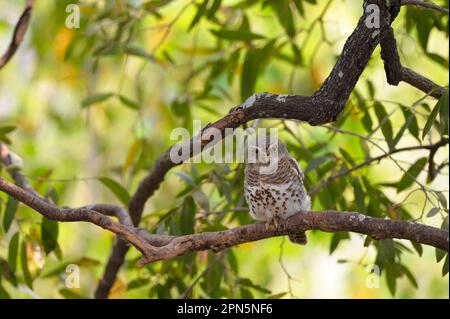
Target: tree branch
(327,221)
(19,33)
(82,214)
(161,247)
(426,5)
(432,147)
(395,72)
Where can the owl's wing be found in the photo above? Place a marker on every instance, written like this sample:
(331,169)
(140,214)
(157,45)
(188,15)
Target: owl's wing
(296,166)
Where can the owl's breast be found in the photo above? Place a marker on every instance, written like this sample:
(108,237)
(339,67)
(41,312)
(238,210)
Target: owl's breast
(268,200)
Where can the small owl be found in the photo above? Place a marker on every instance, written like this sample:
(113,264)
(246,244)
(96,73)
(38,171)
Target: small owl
(273,184)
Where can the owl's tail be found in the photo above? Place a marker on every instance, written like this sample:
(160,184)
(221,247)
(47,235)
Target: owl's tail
(298,238)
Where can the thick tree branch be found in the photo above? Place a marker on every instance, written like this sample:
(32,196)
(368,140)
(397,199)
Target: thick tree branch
(395,72)
(19,33)
(160,247)
(327,221)
(83,214)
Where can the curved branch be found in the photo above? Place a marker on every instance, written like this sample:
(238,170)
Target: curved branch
(395,72)
(18,35)
(426,5)
(327,221)
(83,214)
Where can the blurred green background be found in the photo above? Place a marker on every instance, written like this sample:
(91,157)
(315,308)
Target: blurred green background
(101,100)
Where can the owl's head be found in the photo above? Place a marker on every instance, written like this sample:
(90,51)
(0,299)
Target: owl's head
(265,152)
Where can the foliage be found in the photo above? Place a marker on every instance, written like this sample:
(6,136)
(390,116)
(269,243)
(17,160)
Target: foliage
(91,109)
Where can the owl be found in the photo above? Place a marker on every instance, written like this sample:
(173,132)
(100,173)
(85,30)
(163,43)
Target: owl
(273,185)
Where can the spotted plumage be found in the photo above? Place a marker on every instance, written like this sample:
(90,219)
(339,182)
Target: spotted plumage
(273,185)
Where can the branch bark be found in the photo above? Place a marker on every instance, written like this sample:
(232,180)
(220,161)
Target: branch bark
(327,221)
(425,5)
(395,72)
(19,33)
(161,247)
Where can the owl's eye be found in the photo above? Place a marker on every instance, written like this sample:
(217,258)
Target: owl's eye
(272,148)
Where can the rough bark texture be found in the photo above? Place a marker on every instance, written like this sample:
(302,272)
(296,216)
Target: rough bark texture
(327,221)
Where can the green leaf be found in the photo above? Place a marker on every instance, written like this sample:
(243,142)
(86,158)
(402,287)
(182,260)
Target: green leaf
(434,113)
(94,99)
(299,6)
(117,189)
(417,247)
(212,280)
(200,12)
(359,196)
(70,294)
(385,123)
(6,129)
(137,283)
(347,156)
(49,234)
(444,224)
(248,283)
(410,276)
(232,261)
(254,63)
(408,121)
(386,250)
(128,102)
(213,9)
(411,174)
(336,239)
(424,25)
(413,126)
(370,88)
(24,263)
(433,211)
(10,211)
(201,199)
(188,216)
(236,35)
(186,177)
(443,114)
(277,296)
(315,163)
(13,252)
(3,293)
(445,266)
(391,277)
(7,272)
(139,52)
(438,59)
(439,254)
(442,199)
(284,14)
